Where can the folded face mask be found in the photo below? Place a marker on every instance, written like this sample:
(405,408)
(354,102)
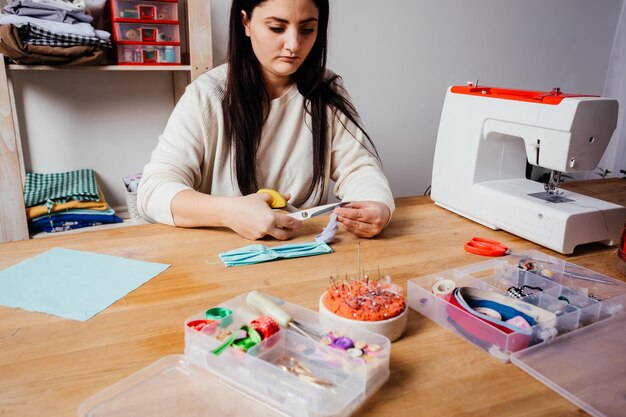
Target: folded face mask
(254,254)
(257,253)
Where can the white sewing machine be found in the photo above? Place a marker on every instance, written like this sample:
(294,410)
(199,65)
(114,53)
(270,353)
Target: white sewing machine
(486,135)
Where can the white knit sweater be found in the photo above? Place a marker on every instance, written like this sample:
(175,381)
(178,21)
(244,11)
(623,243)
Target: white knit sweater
(192,153)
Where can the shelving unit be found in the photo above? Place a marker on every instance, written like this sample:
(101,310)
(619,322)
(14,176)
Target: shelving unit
(16,67)
(195,28)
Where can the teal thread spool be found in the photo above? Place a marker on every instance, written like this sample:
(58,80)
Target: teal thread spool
(168,54)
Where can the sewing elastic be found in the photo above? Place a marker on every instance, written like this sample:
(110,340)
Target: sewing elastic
(224,315)
(328,234)
(243,339)
(252,338)
(199,325)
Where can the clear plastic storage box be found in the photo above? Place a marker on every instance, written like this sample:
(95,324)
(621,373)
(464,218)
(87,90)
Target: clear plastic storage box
(148,54)
(336,383)
(129,10)
(564,351)
(146,32)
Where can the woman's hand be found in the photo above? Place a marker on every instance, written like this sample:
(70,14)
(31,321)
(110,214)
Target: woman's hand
(251,217)
(364,218)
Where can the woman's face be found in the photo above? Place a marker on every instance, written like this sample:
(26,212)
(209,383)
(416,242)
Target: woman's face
(282,33)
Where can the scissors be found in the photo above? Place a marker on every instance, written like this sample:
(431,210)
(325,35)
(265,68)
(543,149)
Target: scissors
(486,247)
(279,202)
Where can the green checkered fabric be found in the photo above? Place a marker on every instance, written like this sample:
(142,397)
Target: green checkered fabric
(60,187)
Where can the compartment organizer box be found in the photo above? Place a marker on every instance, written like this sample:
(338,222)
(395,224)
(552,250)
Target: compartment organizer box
(574,341)
(238,383)
(146,32)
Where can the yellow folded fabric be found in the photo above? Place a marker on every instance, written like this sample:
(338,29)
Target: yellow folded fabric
(36,211)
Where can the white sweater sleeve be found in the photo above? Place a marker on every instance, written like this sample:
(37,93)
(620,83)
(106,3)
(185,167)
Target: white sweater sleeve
(355,169)
(175,164)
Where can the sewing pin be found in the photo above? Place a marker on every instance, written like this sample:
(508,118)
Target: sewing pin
(358,258)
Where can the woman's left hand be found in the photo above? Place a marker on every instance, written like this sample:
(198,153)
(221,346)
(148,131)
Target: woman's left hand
(364,218)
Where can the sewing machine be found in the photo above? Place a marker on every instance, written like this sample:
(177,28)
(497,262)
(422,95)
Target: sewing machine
(486,135)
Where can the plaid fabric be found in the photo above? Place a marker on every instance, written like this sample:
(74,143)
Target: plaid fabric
(60,187)
(34,35)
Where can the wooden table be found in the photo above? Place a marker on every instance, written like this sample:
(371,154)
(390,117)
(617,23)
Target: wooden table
(49,365)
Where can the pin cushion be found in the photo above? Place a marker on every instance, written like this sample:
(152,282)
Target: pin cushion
(375,305)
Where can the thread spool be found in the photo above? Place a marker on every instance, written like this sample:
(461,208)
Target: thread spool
(519,321)
(168,54)
(443,288)
(131,35)
(223,315)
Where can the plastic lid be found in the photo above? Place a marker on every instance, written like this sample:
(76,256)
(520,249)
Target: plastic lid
(587,366)
(173,387)
(545,97)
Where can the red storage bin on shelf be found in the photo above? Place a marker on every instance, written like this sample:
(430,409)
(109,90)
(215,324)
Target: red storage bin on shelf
(146,32)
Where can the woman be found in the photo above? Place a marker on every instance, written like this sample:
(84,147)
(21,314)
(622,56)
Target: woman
(272,117)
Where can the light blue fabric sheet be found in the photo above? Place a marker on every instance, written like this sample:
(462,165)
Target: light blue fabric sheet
(72,284)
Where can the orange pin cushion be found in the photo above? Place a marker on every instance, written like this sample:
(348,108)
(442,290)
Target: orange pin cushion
(365,299)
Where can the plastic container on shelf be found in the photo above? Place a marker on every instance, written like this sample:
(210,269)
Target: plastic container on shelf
(148,54)
(259,381)
(128,10)
(146,32)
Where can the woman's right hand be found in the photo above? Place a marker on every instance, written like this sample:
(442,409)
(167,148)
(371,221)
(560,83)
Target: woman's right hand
(251,217)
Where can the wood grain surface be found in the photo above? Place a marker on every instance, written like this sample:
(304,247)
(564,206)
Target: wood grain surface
(49,365)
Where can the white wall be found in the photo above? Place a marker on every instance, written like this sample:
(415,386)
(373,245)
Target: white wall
(397,58)
(108,121)
(614,158)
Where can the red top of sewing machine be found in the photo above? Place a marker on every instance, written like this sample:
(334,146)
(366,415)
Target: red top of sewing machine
(545,97)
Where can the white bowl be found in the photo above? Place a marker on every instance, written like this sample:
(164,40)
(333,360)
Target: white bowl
(392,328)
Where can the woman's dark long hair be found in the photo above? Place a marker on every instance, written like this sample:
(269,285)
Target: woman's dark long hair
(245,96)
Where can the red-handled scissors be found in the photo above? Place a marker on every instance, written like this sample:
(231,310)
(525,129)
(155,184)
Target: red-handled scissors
(486,247)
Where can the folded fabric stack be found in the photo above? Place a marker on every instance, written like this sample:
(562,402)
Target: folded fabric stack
(51,32)
(63,201)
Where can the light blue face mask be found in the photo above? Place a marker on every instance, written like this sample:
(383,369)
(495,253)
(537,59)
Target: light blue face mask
(257,253)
